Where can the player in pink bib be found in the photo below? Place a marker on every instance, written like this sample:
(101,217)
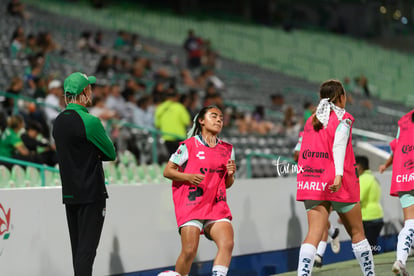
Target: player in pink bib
(202,169)
(402,185)
(327,178)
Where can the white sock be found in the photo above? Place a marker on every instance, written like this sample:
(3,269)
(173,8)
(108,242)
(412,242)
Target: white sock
(405,240)
(363,254)
(306,259)
(219,270)
(321,248)
(331,230)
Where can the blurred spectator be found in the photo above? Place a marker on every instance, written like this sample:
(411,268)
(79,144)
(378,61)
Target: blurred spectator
(277,103)
(122,41)
(11,145)
(53,99)
(193,46)
(203,78)
(241,122)
(195,105)
(216,81)
(83,41)
(210,95)
(187,79)
(210,56)
(138,46)
(115,101)
(158,91)
(131,87)
(100,110)
(31,47)
(98,39)
(130,106)
(349,87)
(258,122)
(309,109)
(3,121)
(17,42)
(185,100)
(291,124)
(32,79)
(41,151)
(41,88)
(105,65)
(46,43)
(15,88)
(171,117)
(372,213)
(143,115)
(16,8)
(87,42)
(362,86)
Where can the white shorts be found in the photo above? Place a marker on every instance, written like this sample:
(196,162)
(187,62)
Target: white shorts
(201,224)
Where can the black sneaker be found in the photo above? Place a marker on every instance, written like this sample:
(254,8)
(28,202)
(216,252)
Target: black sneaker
(318,261)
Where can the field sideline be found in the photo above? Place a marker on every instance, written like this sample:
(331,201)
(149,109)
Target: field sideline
(383,264)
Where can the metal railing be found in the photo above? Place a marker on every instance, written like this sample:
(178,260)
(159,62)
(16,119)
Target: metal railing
(40,167)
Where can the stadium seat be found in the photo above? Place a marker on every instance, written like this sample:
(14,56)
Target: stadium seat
(123,174)
(49,178)
(17,177)
(32,178)
(111,172)
(4,177)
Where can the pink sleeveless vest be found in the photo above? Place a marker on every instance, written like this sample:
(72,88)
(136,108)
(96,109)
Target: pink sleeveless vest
(208,200)
(403,162)
(316,168)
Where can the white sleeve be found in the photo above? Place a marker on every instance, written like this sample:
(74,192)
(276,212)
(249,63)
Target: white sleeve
(233,155)
(339,145)
(180,156)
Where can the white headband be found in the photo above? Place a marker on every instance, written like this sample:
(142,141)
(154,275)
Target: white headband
(323,111)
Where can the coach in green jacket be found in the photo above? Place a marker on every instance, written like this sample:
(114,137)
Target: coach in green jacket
(82,144)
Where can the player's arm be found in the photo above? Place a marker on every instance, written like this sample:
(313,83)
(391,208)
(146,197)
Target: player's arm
(338,150)
(390,159)
(178,159)
(387,163)
(231,170)
(171,172)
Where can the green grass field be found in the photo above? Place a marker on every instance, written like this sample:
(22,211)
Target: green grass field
(383,264)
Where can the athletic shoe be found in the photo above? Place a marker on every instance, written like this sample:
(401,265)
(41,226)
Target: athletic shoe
(399,269)
(318,261)
(335,244)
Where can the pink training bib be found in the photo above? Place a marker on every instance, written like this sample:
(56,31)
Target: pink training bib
(208,200)
(403,162)
(316,168)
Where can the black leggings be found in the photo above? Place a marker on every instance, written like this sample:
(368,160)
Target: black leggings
(372,229)
(85,223)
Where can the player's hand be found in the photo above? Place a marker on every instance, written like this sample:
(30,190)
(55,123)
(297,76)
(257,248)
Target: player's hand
(337,184)
(231,167)
(382,168)
(195,179)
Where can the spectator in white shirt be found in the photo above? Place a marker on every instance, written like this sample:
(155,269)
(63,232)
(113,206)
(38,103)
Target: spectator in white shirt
(52,100)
